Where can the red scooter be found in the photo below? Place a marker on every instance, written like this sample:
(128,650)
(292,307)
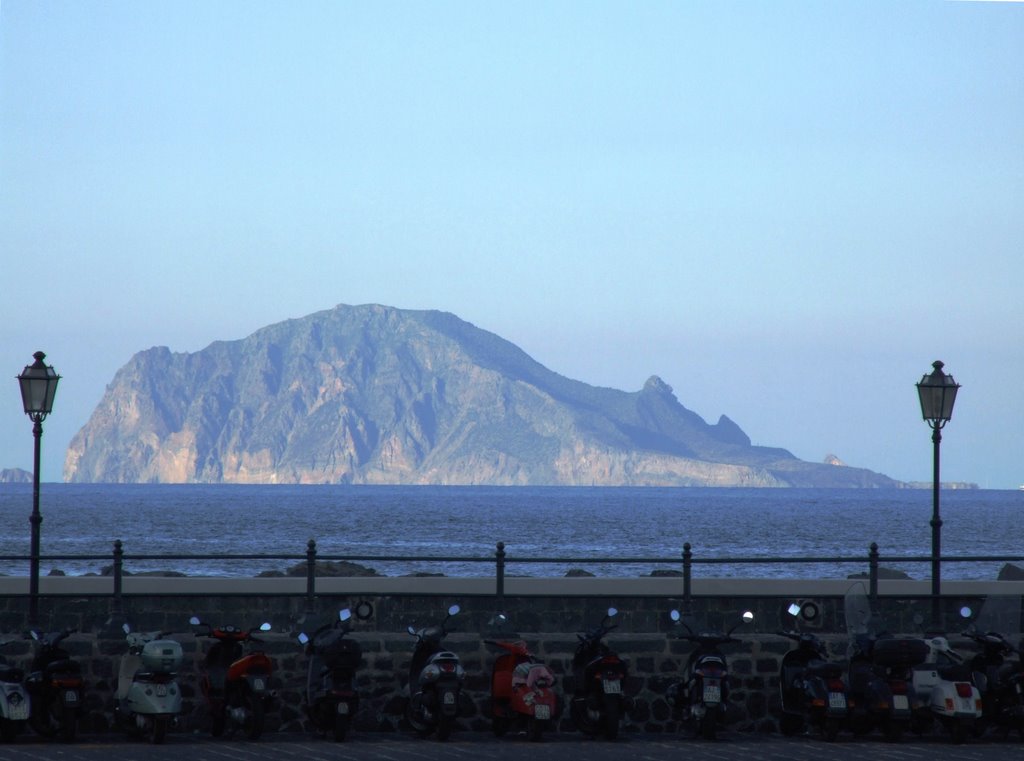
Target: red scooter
(522,694)
(236,683)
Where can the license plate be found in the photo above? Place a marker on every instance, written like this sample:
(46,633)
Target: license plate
(449,699)
(542,712)
(612,686)
(70,697)
(836,700)
(342,709)
(712,693)
(966,705)
(258,684)
(900,702)
(161,690)
(18,712)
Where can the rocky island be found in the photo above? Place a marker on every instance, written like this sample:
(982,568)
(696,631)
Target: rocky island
(377,395)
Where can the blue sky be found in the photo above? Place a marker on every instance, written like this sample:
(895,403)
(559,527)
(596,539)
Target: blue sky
(785,210)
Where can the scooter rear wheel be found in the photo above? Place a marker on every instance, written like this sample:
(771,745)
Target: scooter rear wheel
(444,727)
(611,717)
(68,724)
(708,726)
(535,729)
(341,724)
(499,726)
(160,725)
(253,725)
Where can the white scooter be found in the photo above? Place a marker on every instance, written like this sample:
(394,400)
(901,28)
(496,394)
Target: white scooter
(15,704)
(148,696)
(945,691)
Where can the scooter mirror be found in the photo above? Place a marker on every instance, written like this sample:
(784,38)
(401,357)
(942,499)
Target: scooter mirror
(966,612)
(126,628)
(675,615)
(344,615)
(794,609)
(748,616)
(265,626)
(612,612)
(411,630)
(453,610)
(303,638)
(194,621)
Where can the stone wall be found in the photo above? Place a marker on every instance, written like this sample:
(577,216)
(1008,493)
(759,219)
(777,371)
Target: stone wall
(547,623)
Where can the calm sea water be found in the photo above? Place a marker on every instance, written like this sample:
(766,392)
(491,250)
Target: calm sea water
(584,523)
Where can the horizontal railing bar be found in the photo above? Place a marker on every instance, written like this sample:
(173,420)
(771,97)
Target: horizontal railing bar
(514,559)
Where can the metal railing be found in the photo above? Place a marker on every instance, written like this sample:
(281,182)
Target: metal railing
(500,560)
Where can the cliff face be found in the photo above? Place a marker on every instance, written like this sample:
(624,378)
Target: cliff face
(372,394)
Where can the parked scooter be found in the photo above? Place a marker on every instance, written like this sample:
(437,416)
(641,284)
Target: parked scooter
(999,679)
(15,703)
(703,695)
(522,689)
(811,687)
(435,681)
(55,685)
(945,691)
(330,699)
(236,683)
(148,698)
(599,675)
(880,676)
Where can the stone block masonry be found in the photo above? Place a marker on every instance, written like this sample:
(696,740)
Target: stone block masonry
(546,622)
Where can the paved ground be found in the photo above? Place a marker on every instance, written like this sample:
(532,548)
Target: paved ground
(470,746)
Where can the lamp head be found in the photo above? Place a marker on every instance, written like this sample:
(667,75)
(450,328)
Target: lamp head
(937,392)
(38,388)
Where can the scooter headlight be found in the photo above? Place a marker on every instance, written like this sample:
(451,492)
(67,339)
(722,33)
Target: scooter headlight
(431,673)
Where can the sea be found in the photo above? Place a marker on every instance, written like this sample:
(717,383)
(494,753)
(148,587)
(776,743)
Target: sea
(547,531)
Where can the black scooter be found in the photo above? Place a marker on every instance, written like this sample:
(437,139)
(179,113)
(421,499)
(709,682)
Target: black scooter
(55,685)
(435,681)
(599,675)
(998,675)
(880,677)
(703,695)
(811,687)
(330,699)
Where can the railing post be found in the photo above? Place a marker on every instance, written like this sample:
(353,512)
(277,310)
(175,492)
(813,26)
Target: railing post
(873,572)
(118,572)
(687,577)
(310,575)
(499,577)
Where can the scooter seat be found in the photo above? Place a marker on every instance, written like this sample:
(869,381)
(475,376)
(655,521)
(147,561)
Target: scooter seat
(955,672)
(825,669)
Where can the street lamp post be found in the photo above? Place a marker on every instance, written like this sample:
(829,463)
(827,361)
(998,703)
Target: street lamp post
(38,387)
(937,392)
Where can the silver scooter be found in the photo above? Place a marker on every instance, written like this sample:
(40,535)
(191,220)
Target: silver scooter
(15,704)
(148,699)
